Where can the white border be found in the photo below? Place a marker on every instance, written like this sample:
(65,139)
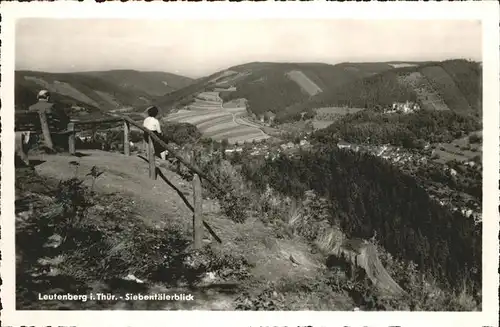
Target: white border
(486,11)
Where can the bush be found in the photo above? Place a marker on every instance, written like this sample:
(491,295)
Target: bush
(354,184)
(97,240)
(409,130)
(474,138)
(233,199)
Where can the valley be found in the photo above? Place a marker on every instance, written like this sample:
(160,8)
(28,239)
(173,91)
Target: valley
(314,162)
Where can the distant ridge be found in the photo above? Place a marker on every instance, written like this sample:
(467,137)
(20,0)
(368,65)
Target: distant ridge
(94,92)
(455,84)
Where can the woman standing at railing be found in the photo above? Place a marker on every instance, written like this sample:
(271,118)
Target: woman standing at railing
(153,125)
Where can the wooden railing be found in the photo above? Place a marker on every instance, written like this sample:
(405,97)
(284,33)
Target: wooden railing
(28,122)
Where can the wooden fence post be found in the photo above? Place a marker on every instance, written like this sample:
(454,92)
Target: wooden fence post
(126,139)
(151,158)
(72,138)
(20,147)
(197,216)
(46,130)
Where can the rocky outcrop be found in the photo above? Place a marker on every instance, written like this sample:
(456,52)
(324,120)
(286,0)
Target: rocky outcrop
(360,254)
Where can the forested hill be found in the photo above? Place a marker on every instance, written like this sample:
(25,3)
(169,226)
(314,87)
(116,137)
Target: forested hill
(274,86)
(289,89)
(412,130)
(277,87)
(449,85)
(152,83)
(368,196)
(94,92)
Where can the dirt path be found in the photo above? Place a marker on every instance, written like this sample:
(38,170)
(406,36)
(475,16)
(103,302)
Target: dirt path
(157,204)
(242,123)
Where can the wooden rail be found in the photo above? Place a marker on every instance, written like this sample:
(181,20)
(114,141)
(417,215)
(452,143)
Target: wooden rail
(48,124)
(198,222)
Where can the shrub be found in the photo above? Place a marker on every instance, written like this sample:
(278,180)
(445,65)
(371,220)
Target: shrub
(233,199)
(475,138)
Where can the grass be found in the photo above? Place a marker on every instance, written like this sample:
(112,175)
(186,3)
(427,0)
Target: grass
(111,235)
(304,82)
(402,65)
(205,126)
(448,90)
(202,118)
(337,110)
(79,89)
(320,124)
(64,89)
(205,118)
(426,94)
(222,129)
(328,115)
(334,289)
(459,149)
(104,244)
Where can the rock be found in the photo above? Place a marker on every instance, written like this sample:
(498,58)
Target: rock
(54,241)
(292,259)
(54,272)
(209,277)
(132,278)
(48,261)
(24,215)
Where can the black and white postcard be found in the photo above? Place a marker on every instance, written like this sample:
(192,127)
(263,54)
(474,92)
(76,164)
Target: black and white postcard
(194,163)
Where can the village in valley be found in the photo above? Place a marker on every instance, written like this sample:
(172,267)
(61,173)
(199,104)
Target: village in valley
(258,186)
(408,160)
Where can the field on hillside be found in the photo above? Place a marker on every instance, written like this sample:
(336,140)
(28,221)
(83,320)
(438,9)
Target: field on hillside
(281,87)
(151,83)
(426,93)
(449,85)
(229,78)
(328,115)
(320,124)
(402,65)
(218,121)
(64,89)
(459,149)
(304,82)
(448,90)
(340,111)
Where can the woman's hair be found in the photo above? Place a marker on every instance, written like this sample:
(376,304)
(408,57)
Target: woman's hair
(43,94)
(152,111)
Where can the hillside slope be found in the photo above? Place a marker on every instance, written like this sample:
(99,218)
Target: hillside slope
(449,85)
(92,92)
(289,89)
(268,87)
(151,83)
(159,205)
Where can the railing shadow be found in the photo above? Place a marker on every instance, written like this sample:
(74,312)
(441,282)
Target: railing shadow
(183,197)
(165,179)
(81,154)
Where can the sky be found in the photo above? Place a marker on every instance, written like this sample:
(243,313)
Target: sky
(196,48)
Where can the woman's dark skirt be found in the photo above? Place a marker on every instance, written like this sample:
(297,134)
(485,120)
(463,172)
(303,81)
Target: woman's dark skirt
(157,147)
